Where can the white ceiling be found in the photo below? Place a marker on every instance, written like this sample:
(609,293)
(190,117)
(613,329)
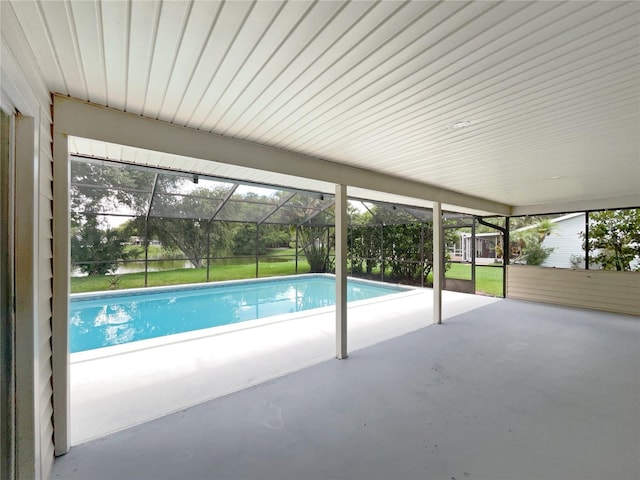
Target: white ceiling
(552,89)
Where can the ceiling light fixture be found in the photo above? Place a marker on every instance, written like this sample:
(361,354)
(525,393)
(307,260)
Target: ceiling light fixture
(554,177)
(462,124)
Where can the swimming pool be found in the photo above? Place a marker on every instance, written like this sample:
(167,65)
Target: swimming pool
(113,318)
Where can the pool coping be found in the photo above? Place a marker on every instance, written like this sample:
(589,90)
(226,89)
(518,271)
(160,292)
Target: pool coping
(110,351)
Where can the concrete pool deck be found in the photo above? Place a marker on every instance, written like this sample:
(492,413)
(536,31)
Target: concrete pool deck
(512,390)
(114,392)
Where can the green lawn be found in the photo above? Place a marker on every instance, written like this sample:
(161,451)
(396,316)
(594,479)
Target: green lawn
(154,251)
(187,275)
(488,279)
(282,252)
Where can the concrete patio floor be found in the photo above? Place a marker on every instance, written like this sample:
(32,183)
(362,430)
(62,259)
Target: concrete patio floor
(132,385)
(508,389)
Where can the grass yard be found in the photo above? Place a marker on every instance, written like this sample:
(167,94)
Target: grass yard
(488,279)
(137,251)
(188,275)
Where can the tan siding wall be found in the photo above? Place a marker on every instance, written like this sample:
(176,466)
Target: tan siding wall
(24,90)
(609,291)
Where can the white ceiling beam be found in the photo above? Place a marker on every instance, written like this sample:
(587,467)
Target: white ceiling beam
(78,118)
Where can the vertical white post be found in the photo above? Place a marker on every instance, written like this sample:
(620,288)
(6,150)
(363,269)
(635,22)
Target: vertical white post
(61,260)
(341,271)
(26,310)
(7,290)
(438,262)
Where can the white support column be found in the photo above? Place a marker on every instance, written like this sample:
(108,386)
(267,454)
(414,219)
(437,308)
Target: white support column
(341,271)
(60,308)
(26,309)
(438,262)
(7,291)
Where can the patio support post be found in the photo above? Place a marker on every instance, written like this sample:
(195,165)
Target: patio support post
(341,271)
(438,263)
(422,255)
(473,255)
(506,255)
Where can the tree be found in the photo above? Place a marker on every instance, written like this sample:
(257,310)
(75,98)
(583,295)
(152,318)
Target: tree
(180,213)
(614,239)
(275,236)
(99,188)
(189,236)
(528,246)
(395,237)
(95,251)
(317,243)
(270,236)
(363,242)
(244,240)
(188,227)
(363,245)
(105,188)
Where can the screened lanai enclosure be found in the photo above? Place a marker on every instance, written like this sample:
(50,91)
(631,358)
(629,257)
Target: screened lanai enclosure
(138,226)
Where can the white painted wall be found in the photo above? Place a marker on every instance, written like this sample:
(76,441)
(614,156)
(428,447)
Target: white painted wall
(23,90)
(565,242)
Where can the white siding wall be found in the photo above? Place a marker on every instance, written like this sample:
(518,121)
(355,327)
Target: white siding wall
(23,90)
(565,242)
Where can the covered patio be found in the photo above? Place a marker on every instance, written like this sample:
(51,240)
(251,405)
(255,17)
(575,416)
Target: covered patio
(506,390)
(486,109)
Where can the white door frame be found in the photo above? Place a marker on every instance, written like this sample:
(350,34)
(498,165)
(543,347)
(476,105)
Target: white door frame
(7,298)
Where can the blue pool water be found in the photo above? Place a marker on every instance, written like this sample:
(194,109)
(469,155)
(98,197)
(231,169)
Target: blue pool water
(102,320)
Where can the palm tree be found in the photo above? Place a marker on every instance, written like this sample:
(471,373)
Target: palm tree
(544,228)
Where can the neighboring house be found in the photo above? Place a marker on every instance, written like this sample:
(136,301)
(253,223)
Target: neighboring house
(565,241)
(485,248)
